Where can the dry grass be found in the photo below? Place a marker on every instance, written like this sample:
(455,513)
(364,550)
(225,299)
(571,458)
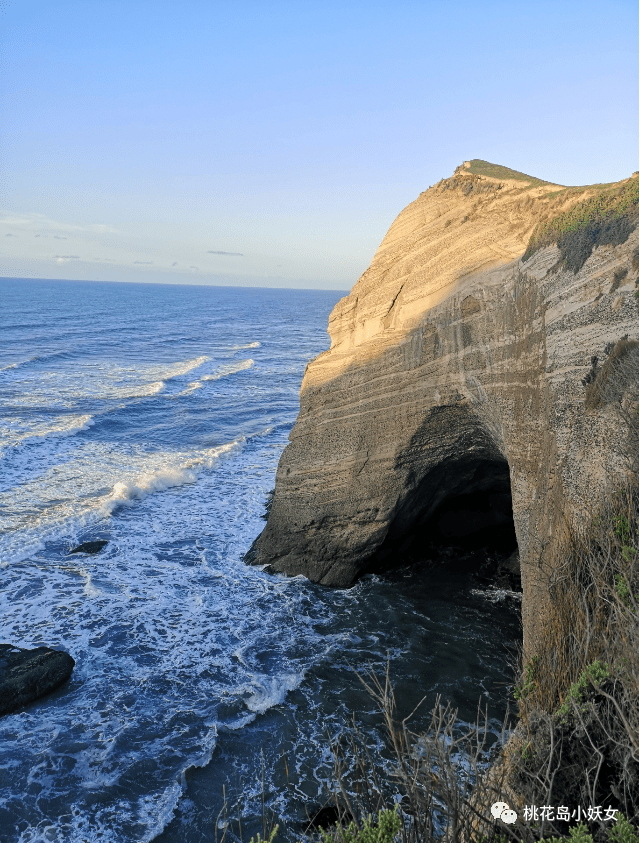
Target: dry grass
(433,778)
(577,740)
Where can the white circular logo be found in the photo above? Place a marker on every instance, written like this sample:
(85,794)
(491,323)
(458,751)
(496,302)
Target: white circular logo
(508,816)
(498,807)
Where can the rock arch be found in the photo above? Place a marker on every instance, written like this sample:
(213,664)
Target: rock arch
(475,385)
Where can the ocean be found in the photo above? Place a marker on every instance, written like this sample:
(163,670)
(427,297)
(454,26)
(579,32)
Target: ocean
(153,417)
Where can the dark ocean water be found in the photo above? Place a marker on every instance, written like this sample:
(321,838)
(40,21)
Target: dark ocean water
(153,417)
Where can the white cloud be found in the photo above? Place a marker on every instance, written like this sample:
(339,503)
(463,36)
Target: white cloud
(31,220)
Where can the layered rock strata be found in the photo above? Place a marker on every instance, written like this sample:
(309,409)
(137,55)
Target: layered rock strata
(458,369)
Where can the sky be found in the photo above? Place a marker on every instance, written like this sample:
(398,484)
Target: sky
(273,143)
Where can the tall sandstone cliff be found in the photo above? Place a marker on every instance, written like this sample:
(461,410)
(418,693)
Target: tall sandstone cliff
(459,364)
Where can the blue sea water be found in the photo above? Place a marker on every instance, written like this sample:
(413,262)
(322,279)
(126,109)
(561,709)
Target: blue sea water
(153,417)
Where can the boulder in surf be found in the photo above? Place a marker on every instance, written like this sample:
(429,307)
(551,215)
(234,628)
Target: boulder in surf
(27,675)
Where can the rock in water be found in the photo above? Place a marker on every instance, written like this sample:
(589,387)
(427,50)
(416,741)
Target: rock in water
(89,547)
(466,383)
(26,675)
(327,817)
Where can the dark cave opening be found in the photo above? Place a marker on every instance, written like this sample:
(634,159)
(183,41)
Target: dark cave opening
(459,515)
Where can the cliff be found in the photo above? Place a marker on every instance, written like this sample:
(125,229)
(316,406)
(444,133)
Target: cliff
(455,392)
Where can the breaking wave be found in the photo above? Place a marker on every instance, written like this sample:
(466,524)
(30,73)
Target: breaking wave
(57,519)
(223,372)
(127,492)
(64,426)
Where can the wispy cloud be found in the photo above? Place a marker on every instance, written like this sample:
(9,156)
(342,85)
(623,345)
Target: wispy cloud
(58,237)
(194,267)
(32,220)
(143,263)
(230,254)
(65,258)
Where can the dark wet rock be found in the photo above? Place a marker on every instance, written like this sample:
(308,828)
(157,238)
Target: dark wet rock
(327,817)
(27,675)
(89,547)
(267,506)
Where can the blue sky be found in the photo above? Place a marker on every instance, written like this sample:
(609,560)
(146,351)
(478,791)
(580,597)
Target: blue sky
(273,143)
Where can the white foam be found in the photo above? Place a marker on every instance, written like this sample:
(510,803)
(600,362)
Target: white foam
(68,498)
(128,491)
(141,392)
(186,366)
(191,388)
(19,363)
(271,690)
(496,594)
(158,374)
(242,347)
(222,372)
(231,369)
(89,588)
(66,425)
(106,380)
(156,810)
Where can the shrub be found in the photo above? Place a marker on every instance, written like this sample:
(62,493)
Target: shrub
(592,675)
(382,831)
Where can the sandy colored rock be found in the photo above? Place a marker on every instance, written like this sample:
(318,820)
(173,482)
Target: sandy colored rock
(456,368)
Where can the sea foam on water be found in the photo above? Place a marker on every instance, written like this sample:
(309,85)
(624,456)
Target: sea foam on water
(186,658)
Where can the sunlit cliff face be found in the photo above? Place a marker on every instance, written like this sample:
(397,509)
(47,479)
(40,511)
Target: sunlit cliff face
(457,371)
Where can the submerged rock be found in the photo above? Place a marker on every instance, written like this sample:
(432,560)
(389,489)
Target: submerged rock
(27,675)
(89,547)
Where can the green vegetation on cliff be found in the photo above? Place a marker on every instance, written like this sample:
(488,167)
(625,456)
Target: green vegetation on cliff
(478,167)
(606,218)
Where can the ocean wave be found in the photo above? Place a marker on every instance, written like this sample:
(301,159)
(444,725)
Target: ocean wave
(495,594)
(18,364)
(222,372)
(231,369)
(127,492)
(102,381)
(142,391)
(181,368)
(40,358)
(255,344)
(160,375)
(64,426)
(57,520)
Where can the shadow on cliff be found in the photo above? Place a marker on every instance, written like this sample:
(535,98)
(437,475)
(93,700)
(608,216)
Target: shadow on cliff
(458,516)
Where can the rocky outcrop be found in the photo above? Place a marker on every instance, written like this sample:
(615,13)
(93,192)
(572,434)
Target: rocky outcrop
(27,675)
(456,381)
(89,547)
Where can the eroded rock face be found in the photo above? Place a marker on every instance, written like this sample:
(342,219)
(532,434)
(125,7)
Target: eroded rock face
(456,369)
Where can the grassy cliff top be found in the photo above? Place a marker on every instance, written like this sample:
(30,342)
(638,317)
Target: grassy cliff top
(607,216)
(478,167)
